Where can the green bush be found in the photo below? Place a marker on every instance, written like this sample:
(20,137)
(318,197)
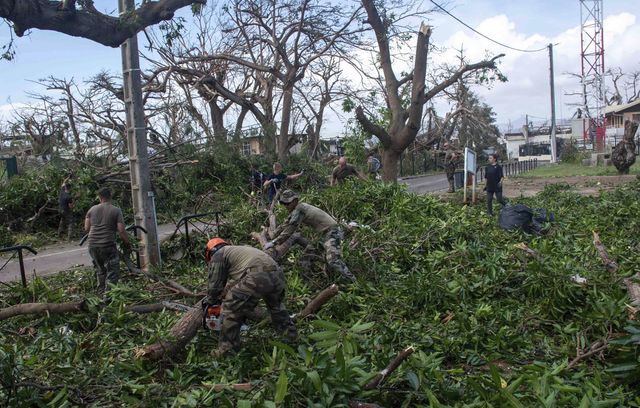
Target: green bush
(491,325)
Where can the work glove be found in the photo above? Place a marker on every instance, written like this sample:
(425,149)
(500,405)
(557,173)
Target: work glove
(268,245)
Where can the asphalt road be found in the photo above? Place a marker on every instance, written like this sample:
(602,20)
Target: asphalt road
(426,184)
(62,257)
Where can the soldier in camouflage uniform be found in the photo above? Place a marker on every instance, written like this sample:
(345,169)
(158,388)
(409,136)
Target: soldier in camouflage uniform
(450,162)
(321,222)
(239,276)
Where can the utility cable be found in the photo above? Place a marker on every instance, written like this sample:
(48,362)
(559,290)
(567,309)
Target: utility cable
(482,35)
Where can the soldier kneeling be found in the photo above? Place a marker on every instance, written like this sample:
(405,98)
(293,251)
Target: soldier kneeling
(248,274)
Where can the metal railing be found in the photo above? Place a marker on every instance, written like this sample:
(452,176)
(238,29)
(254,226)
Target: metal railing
(186,220)
(18,249)
(510,168)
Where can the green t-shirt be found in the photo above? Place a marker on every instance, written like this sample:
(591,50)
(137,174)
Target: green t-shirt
(341,173)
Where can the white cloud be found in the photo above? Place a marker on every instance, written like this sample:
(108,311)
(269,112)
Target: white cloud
(527,91)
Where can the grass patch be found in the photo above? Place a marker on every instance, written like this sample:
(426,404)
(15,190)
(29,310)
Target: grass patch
(576,169)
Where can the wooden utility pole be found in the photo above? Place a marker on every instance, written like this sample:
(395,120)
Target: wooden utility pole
(143,200)
(554,153)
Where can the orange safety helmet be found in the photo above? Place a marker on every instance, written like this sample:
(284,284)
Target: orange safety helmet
(213,246)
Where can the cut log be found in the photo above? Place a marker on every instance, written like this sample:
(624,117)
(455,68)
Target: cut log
(610,264)
(317,302)
(179,336)
(42,308)
(393,365)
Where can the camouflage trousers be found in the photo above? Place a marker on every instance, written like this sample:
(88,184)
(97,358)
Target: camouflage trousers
(241,300)
(331,243)
(66,222)
(450,179)
(106,262)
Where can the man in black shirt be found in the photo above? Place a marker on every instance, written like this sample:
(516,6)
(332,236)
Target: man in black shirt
(493,175)
(66,213)
(276,180)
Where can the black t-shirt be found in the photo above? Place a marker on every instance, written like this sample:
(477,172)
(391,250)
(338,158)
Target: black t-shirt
(276,183)
(65,200)
(493,174)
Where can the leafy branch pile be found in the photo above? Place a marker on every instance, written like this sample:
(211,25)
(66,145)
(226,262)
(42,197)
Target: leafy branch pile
(491,324)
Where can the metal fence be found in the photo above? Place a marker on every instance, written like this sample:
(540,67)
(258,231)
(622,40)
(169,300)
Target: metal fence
(417,163)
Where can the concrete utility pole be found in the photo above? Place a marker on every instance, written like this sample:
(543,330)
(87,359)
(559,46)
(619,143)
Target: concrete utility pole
(143,201)
(554,154)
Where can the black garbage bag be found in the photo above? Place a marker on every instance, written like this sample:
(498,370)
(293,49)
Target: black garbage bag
(540,221)
(532,221)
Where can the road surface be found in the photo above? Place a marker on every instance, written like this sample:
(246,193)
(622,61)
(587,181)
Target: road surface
(62,257)
(426,184)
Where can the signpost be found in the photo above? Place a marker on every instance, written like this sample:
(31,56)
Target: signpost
(469,168)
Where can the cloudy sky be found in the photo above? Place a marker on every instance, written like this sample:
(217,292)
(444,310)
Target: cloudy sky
(518,23)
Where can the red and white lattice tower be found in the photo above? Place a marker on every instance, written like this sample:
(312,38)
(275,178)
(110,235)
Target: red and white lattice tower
(592,58)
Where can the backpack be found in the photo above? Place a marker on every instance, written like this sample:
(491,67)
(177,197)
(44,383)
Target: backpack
(374,165)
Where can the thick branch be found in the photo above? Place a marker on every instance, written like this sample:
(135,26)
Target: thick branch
(317,302)
(610,264)
(458,74)
(372,128)
(87,23)
(42,308)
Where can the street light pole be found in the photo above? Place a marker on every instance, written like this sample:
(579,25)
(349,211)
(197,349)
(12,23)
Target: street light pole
(554,153)
(142,196)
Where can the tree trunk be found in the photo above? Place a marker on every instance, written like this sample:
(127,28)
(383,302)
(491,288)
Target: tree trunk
(217,119)
(237,134)
(390,160)
(283,138)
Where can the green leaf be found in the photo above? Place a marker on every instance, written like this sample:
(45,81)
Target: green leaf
(361,327)
(324,335)
(244,404)
(323,324)
(413,380)
(314,377)
(281,387)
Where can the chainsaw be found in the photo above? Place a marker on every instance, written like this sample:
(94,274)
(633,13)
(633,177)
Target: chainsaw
(213,318)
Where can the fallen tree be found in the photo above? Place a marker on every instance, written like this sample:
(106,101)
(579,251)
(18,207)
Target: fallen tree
(186,328)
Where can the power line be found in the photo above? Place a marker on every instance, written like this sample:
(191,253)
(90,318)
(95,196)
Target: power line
(482,35)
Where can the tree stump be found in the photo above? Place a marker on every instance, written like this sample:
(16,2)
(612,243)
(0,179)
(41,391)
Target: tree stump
(624,154)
